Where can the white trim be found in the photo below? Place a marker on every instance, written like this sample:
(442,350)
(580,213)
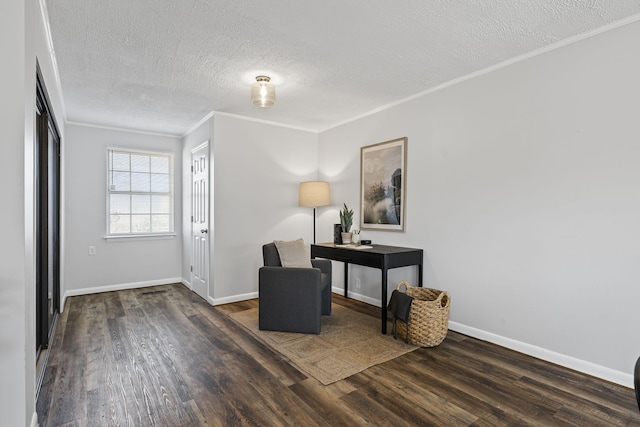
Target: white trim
(371,301)
(540,51)
(34,420)
(200,123)
(62,271)
(266,122)
(523,57)
(124,149)
(232,298)
(564,360)
(129,237)
(199,147)
(583,366)
(110,150)
(204,145)
(121,286)
(117,129)
(253,295)
(56,73)
(186,283)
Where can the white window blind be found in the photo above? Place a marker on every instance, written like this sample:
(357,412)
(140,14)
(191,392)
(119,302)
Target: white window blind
(139,193)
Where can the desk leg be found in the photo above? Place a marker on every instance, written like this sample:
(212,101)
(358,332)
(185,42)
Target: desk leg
(420,274)
(346,280)
(384,301)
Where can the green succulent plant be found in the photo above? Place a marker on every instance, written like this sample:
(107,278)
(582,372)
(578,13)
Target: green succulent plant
(346,218)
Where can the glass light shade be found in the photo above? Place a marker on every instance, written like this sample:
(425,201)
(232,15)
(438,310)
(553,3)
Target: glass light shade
(314,194)
(263,93)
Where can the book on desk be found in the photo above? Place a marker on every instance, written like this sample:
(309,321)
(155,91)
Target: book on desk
(354,246)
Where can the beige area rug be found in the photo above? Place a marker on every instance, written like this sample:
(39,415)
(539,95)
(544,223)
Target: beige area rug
(349,342)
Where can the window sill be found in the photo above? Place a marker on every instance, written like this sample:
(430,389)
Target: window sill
(130,237)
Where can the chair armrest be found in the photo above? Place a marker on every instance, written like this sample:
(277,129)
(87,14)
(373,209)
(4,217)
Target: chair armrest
(323,264)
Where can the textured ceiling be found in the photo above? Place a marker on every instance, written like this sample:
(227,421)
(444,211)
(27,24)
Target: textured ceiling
(162,65)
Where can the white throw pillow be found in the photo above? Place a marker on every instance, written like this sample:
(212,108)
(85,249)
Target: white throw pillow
(293,253)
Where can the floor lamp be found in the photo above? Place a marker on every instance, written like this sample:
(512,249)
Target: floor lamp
(314,194)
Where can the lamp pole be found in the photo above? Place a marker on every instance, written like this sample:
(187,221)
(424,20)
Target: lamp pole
(314,225)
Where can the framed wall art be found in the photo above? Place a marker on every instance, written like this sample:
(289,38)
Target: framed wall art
(383,173)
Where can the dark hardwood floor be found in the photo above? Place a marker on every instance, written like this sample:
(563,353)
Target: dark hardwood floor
(161,356)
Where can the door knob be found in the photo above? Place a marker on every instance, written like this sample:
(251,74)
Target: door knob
(204,230)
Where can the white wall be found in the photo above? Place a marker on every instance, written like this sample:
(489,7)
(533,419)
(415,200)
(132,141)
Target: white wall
(118,263)
(522,187)
(257,168)
(21,23)
(14,261)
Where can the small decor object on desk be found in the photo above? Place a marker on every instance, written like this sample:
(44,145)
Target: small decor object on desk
(355,237)
(337,234)
(429,317)
(346,220)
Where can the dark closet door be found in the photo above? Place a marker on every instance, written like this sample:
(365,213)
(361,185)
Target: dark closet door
(42,232)
(48,219)
(53,290)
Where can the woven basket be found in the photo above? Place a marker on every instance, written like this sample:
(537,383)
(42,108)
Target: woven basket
(428,318)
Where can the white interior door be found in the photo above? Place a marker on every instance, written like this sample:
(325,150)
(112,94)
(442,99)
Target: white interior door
(200,220)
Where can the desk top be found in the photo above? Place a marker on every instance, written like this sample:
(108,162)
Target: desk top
(376,249)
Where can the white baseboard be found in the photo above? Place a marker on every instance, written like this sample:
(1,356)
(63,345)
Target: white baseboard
(186,283)
(372,301)
(34,420)
(233,298)
(570,362)
(120,287)
(576,364)
(252,295)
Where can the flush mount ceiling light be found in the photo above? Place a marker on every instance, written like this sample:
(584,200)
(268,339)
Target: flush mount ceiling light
(263,93)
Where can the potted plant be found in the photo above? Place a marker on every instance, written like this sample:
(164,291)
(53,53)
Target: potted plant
(346,220)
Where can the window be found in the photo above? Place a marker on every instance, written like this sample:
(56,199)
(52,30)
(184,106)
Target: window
(139,193)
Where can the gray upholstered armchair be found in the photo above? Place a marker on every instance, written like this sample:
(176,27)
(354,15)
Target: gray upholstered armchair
(293,299)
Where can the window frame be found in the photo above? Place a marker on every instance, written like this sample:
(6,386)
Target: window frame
(171,193)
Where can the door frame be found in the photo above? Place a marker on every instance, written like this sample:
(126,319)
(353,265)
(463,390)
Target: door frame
(48,224)
(46,123)
(208,209)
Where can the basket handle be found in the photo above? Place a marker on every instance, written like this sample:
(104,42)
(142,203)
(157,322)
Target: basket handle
(443,299)
(405,284)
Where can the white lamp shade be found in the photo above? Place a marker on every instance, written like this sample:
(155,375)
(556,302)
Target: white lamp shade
(263,93)
(315,193)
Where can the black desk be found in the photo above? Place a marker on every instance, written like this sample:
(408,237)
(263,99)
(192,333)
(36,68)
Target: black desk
(380,256)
